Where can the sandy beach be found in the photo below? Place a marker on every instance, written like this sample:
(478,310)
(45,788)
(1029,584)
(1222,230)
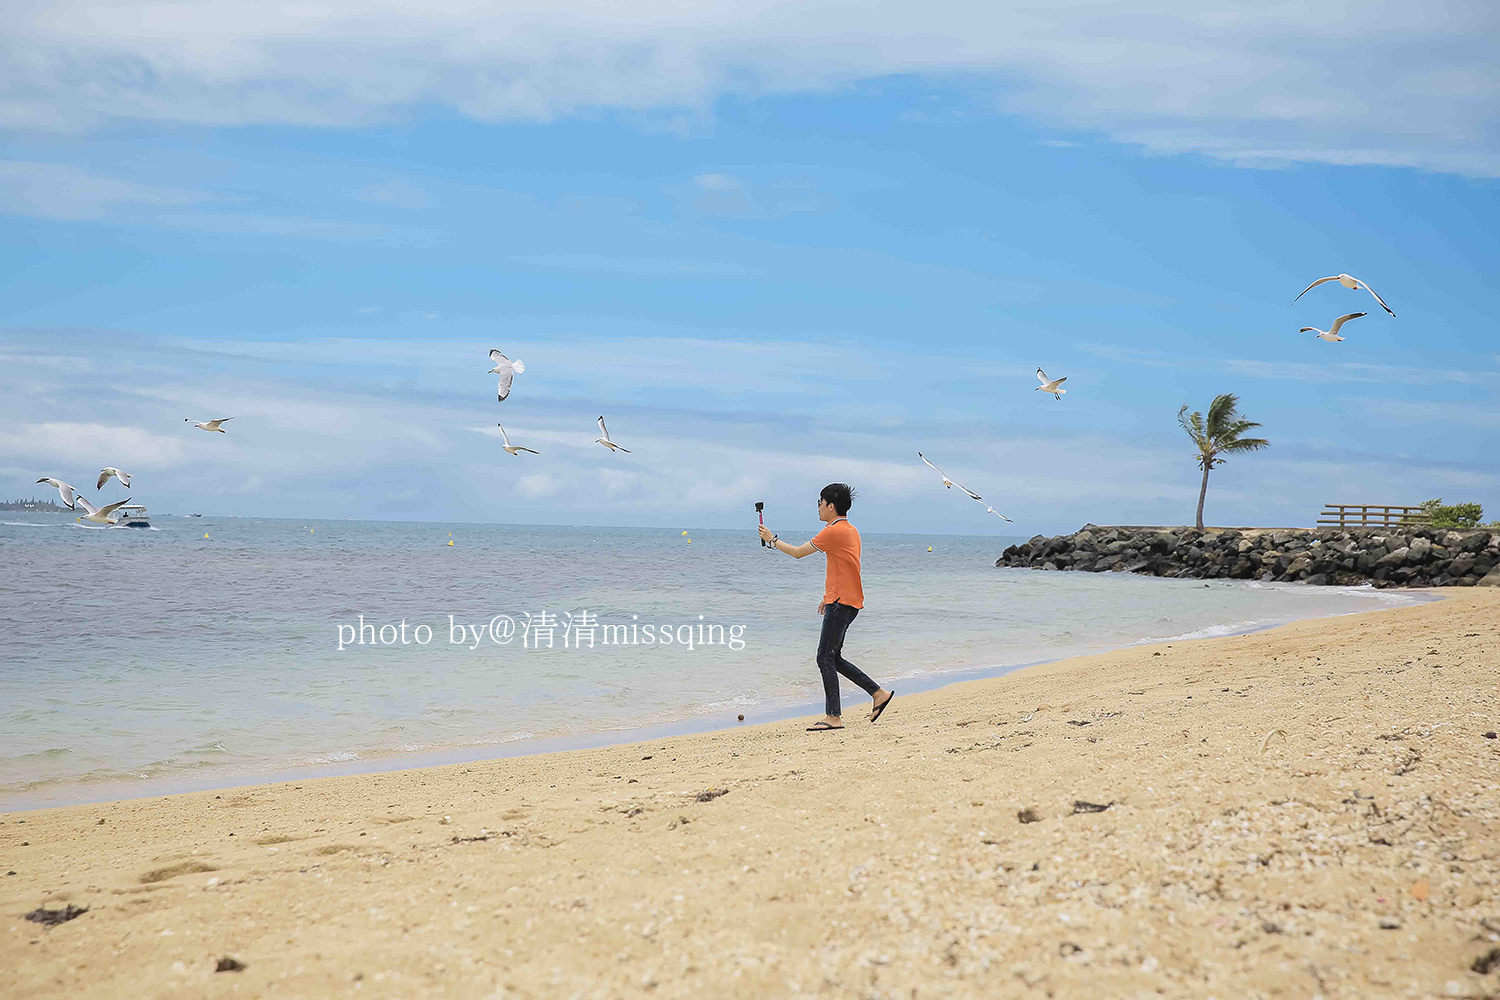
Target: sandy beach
(1308,811)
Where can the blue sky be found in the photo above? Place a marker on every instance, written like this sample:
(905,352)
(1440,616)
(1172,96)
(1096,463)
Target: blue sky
(773,247)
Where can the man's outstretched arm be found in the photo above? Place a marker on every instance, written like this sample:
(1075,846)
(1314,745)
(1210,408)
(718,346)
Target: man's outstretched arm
(795,551)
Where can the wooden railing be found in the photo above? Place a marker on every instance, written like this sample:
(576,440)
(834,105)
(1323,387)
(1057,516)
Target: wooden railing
(1372,515)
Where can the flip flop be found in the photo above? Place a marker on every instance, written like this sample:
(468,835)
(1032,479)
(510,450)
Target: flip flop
(881,709)
(823,727)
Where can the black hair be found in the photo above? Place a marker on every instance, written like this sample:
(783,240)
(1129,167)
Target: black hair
(841,495)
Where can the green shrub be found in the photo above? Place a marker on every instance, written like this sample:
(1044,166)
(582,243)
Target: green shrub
(1453,515)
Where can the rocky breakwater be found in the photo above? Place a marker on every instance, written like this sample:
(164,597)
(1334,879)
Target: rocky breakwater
(1416,557)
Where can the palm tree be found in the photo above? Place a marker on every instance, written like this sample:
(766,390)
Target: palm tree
(1218,435)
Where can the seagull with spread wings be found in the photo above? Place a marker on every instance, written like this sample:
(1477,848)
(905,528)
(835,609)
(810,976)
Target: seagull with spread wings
(950,483)
(513,449)
(1332,335)
(991,510)
(68,493)
(507,370)
(100,515)
(104,474)
(1348,281)
(208,425)
(1051,385)
(605,440)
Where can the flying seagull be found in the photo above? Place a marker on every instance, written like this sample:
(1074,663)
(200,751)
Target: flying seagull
(208,425)
(69,495)
(513,449)
(104,474)
(1332,336)
(606,441)
(1348,281)
(950,483)
(991,510)
(100,515)
(507,370)
(1051,385)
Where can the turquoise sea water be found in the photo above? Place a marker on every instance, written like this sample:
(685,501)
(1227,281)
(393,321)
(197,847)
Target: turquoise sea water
(141,661)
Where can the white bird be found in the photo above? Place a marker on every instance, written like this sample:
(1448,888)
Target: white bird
(513,449)
(606,441)
(950,483)
(69,495)
(208,425)
(1332,336)
(991,510)
(1051,385)
(507,370)
(104,474)
(100,515)
(1348,281)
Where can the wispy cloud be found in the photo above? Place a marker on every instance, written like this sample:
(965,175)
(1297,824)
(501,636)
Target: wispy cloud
(1398,85)
(398,194)
(62,192)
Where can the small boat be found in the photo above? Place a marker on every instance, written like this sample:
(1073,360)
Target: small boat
(195,515)
(133,516)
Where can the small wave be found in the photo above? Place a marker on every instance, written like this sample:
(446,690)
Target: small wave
(738,701)
(48,754)
(30,524)
(1207,632)
(337,757)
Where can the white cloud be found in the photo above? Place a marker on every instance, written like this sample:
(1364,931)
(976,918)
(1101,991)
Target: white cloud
(1385,83)
(73,444)
(537,485)
(59,191)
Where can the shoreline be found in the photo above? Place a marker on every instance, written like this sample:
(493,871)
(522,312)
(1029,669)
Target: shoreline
(121,790)
(1309,809)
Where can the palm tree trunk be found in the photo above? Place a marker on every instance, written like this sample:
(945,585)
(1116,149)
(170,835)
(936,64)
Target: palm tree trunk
(1202,492)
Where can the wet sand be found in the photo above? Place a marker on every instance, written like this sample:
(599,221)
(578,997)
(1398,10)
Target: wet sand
(1311,810)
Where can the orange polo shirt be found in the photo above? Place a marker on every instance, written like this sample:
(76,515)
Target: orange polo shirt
(840,543)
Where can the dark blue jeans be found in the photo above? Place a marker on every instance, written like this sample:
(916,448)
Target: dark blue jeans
(836,620)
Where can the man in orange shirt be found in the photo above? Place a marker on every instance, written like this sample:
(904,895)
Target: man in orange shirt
(843,596)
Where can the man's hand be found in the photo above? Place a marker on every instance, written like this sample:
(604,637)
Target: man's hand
(766,534)
(820,607)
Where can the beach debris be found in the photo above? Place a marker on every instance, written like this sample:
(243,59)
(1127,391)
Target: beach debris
(1068,949)
(1080,806)
(1266,740)
(648,756)
(1390,924)
(51,918)
(1078,722)
(229,964)
(711,794)
(1490,735)
(1028,815)
(1408,760)
(1489,960)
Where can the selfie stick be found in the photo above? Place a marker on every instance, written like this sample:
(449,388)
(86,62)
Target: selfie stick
(760,513)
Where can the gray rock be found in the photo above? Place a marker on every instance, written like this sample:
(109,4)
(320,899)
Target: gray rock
(1491,579)
(1417,551)
(1393,558)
